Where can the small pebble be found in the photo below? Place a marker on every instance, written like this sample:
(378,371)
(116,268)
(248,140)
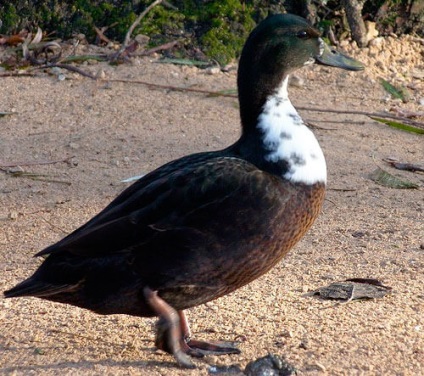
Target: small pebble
(297,81)
(74,145)
(225,370)
(101,74)
(213,70)
(142,39)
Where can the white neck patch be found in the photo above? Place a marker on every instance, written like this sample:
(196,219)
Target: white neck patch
(287,138)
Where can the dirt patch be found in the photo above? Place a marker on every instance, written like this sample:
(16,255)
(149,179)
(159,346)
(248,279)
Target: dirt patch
(114,130)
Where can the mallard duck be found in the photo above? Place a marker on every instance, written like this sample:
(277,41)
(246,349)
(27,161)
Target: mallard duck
(204,225)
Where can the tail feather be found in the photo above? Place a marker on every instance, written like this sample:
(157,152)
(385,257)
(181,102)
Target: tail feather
(40,289)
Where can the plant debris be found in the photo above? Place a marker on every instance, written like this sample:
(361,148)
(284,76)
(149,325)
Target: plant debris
(386,179)
(193,63)
(395,92)
(35,176)
(354,289)
(411,127)
(404,166)
(6,113)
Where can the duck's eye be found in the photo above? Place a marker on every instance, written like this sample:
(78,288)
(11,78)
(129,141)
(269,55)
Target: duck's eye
(303,35)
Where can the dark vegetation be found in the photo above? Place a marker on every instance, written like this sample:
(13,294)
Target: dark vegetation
(215,28)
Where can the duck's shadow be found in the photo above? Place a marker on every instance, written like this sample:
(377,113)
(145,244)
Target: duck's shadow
(84,366)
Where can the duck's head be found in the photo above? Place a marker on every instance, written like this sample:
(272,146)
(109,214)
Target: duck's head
(275,48)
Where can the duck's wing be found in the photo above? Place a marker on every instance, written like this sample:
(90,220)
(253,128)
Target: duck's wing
(123,204)
(193,203)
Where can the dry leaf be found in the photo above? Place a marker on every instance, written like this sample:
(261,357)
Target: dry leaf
(353,289)
(387,180)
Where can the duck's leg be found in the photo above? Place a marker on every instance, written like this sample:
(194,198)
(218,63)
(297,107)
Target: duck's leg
(202,347)
(169,334)
(173,334)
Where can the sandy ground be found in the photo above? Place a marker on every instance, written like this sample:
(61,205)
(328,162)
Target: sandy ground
(115,130)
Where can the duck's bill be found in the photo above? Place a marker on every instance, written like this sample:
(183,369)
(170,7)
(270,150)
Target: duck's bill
(336,59)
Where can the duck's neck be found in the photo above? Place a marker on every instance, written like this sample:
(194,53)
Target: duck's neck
(288,146)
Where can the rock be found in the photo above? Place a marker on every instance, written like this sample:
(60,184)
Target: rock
(417,73)
(377,43)
(270,365)
(225,370)
(142,39)
(296,81)
(213,70)
(101,74)
(81,38)
(372,32)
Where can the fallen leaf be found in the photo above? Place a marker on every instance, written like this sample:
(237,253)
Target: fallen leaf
(400,93)
(388,180)
(196,63)
(14,40)
(6,113)
(354,289)
(398,125)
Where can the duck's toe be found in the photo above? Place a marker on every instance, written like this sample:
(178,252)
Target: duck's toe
(213,347)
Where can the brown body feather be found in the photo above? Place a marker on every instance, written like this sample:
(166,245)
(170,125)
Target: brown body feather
(194,234)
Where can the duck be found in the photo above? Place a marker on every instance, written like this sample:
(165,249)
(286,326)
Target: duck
(204,225)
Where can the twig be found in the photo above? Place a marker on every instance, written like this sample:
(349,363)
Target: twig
(218,94)
(72,69)
(365,113)
(54,226)
(100,33)
(100,36)
(175,88)
(404,166)
(34,163)
(38,177)
(134,25)
(342,189)
(17,74)
(162,47)
(314,126)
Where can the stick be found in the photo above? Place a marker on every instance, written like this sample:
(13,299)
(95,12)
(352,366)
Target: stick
(175,88)
(72,69)
(214,93)
(134,25)
(370,114)
(162,47)
(34,163)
